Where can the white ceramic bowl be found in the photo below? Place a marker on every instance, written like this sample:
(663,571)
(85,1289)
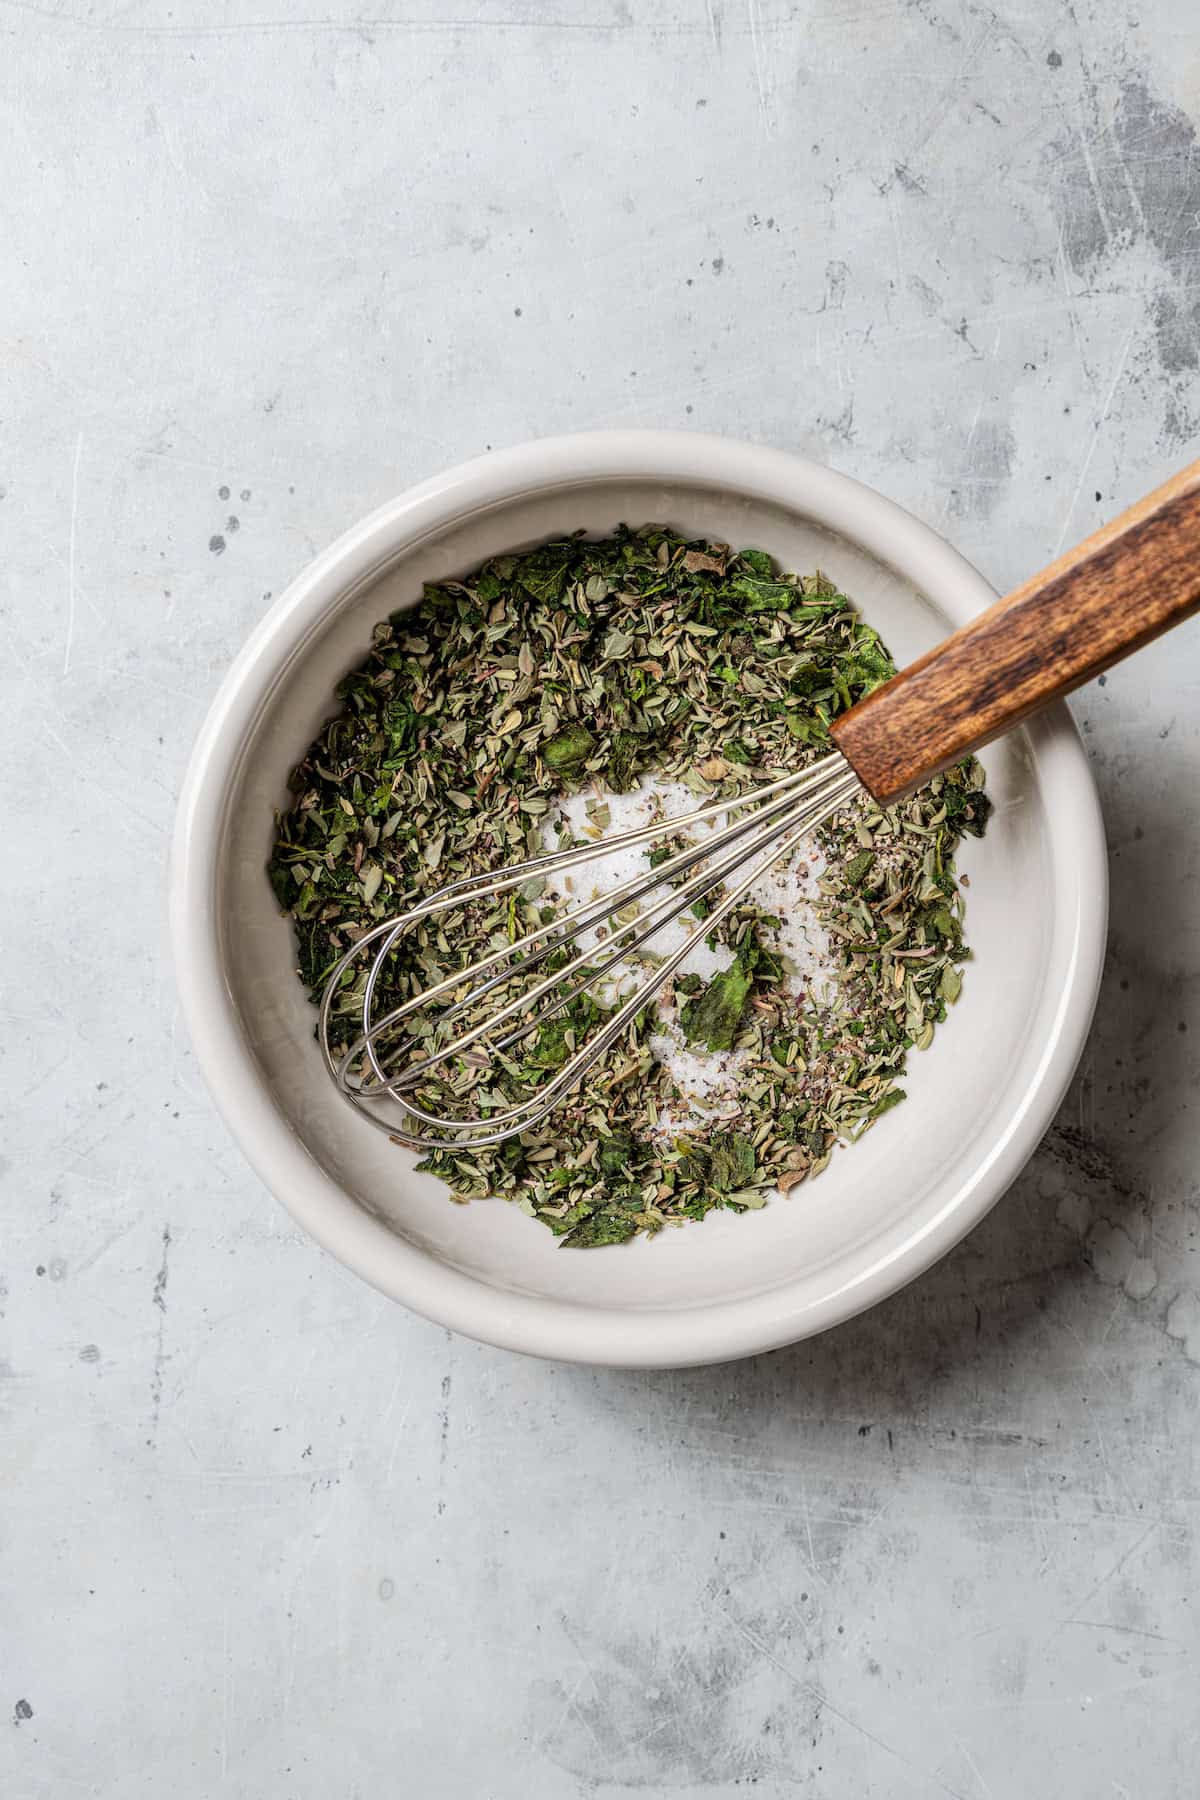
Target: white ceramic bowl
(979,1099)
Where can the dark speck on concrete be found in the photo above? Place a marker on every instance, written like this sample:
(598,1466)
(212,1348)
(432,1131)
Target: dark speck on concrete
(516,312)
(90,1353)
(245,495)
(1099,495)
(216,544)
(233,523)
(718,265)
(222,493)
(910,182)
(41,1269)
(1054,60)
(22,1711)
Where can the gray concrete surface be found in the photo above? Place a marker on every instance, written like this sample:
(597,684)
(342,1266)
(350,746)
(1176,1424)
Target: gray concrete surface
(261,1533)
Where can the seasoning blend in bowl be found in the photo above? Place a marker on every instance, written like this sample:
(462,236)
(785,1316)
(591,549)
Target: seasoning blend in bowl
(640,668)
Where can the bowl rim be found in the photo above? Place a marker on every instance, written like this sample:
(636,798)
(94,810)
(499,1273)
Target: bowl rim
(646,1337)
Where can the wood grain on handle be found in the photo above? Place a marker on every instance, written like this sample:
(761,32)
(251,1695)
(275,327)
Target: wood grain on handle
(1132,580)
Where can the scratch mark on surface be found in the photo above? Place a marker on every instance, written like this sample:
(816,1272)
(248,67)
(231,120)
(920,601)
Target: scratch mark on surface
(225,1692)
(970,443)
(312,26)
(897,236)
(385,1417)
(1109,1480)
(444,1442)
(107,1243)
(1134,201)
(1109,1575)
(1036,1518)
(976,1771)
(71,589)
(395,1449)
(289,1684)
(159,1299)
(160,1280)
(1156,1637)
(807,1516)
(760,71)
(1105,409)
(1097,192)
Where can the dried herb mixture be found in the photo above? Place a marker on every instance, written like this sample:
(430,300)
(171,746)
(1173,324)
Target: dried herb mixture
(592,665)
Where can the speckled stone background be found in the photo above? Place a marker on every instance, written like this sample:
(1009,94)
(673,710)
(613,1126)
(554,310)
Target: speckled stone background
(261,1533)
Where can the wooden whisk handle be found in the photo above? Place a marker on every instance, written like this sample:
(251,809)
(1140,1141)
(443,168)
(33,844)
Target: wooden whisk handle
(1106,598)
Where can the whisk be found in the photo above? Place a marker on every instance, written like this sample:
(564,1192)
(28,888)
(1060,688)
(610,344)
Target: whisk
(1128,583)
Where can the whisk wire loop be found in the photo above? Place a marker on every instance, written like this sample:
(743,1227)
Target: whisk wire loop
(785,812)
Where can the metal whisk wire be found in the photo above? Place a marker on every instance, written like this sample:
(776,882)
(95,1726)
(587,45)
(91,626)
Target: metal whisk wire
(784,812)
